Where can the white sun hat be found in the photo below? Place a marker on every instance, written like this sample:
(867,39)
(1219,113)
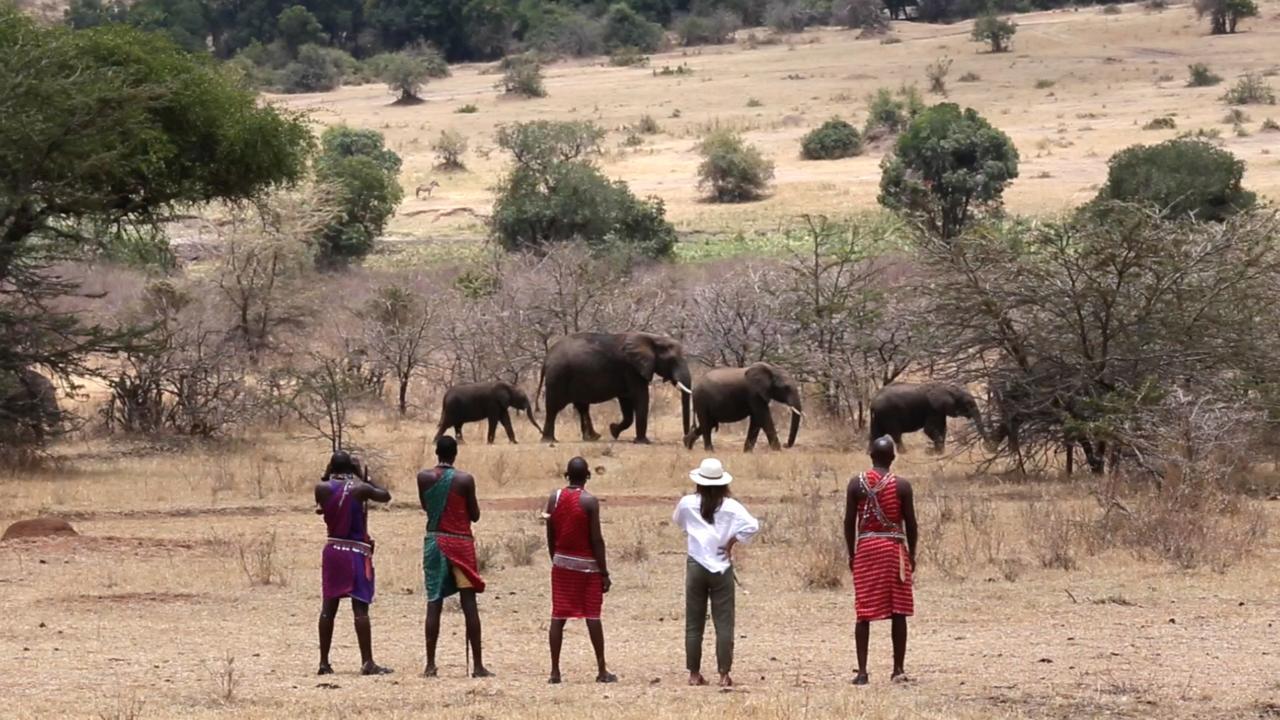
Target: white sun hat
(710,472)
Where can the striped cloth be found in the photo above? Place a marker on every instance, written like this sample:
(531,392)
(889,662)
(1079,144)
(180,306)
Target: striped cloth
(577,587)
(881,569)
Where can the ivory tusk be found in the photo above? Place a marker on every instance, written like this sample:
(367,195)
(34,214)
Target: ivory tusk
(797,412)
(683,388)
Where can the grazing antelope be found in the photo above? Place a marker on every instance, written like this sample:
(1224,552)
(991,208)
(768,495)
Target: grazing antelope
(428,188)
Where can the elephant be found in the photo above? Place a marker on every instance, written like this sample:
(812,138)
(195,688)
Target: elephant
(733,394)
(483,401)
(904,407)
(583,369)
(28,405)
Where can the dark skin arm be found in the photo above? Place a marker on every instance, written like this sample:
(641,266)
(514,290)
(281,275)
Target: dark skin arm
(853,496)
(551,532)
(591,506)
(465,485)
(906,500)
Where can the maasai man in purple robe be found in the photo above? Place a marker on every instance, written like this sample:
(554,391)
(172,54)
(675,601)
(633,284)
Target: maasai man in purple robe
(346,568)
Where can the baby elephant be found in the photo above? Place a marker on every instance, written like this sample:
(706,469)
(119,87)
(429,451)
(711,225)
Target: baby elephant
(726,395)
(483,401)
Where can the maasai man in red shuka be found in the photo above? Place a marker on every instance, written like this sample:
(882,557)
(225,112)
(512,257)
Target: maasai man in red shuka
(346,565)
(449,561)
(579,572)
(880,532)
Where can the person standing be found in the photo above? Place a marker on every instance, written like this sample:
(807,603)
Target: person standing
(880,534)
(449,563)
(346,564)
(713,522)
(579,570)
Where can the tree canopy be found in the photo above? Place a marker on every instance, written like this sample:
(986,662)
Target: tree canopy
(1181,177)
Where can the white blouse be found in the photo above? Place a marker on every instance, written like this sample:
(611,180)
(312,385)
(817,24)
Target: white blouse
(705,539)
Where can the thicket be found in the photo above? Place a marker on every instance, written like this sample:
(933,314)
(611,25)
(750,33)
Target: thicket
(732,170)
(832,140)
(1182,177)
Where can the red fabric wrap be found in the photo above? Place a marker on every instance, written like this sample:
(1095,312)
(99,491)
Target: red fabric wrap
(455,520)
(878,562)
(574,594)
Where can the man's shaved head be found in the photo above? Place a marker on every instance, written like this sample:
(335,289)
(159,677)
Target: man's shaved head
(882,451)
(578,471)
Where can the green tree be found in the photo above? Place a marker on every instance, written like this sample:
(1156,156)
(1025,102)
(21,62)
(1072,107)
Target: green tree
(555,193)
(317,69)
(732,170)
(833,140)
(362,174)
(995,30)
(296,27)
(1225,15)
(625,28)
(405,74)
(111,127)
(949,166)
(1182,177)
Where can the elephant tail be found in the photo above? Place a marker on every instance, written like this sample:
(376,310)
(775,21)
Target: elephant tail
(537,394)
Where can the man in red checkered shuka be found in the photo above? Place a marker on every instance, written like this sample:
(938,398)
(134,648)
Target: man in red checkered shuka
(880,533)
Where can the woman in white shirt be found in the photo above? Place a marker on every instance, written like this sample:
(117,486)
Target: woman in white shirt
(714,522)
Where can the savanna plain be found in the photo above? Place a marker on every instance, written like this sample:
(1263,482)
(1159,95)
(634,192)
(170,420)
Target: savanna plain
(192,589)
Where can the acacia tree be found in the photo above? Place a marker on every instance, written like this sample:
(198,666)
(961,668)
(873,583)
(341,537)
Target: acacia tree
(110,127)
(406,74)
(949,167)
(996,31)
(398,327)
(1225,15)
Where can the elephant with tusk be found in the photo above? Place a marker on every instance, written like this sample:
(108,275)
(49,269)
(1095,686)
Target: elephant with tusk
(588,368)
(904,407)
(733,394)
(483,401)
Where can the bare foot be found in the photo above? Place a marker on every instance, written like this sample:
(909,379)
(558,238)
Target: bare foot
(554,679)
(860,679)
(481,672)
(325,669)
(697,679)
(372,668)
(430,671)
(606,677)
(725,680)
(900,677)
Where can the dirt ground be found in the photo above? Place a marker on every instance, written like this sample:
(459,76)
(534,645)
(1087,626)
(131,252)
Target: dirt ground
(1107,76)
(143,614)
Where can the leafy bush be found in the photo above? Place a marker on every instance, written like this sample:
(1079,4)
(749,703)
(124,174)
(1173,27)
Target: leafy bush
(936,72)
(467,109)
(1225,15)
(1161,123)
(1270,125)
(628,57)
(790,16)
(317,69)
(405,74)
(947,167)
(296,26)
(523,77)
(1251,89)
(890,112)
(1184,176)
(833,140)
(970,77)
(994,30)
(449,149)
(430,58)
(754,103)
(1202,76)
(560,30)
(865,15)
(625,28)
(362,175)
(732,170)
(714,29)
(647,125)
(556,194)
(1045,83)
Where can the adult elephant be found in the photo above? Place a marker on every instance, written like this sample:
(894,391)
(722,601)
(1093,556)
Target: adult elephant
(483,401)
(727,395)
(905,407)
(28,405)
(588,368)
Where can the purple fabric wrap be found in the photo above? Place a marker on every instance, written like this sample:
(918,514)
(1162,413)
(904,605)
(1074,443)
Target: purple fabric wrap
(346,565)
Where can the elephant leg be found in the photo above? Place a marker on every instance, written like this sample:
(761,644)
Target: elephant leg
(584,420)
(753,432)
(457,432)
(549,423)
(628,416)
(640,403)
(444,427)
(505,419)
(692,435)
(493,428)
(706,435)
(1071,456)
(936,430)
(766,422)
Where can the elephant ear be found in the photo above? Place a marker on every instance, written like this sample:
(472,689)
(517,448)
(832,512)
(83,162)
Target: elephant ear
(760,377)
(640,353)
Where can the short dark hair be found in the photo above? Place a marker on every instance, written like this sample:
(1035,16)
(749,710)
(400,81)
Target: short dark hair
(341,463)
(446,448)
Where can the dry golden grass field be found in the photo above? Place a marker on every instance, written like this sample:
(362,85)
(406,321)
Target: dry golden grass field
(159,608)
(1106,76)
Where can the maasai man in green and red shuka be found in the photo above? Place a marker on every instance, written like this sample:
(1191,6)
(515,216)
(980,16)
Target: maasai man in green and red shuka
(449,561)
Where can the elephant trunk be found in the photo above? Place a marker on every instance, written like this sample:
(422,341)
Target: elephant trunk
(528,411)
(796,414)
(683,380)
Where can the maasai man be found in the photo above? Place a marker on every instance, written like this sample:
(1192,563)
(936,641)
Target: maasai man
(579,573)
(449,551)
(714,522)
(346,566)
(880,533)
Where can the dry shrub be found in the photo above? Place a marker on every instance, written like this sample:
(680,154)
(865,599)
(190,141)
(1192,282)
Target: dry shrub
(821,560)
(485,555)
(961,535)
(259,561)
(225,678)
(126,706)
(634,547)
(1055,533)
(521,547)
